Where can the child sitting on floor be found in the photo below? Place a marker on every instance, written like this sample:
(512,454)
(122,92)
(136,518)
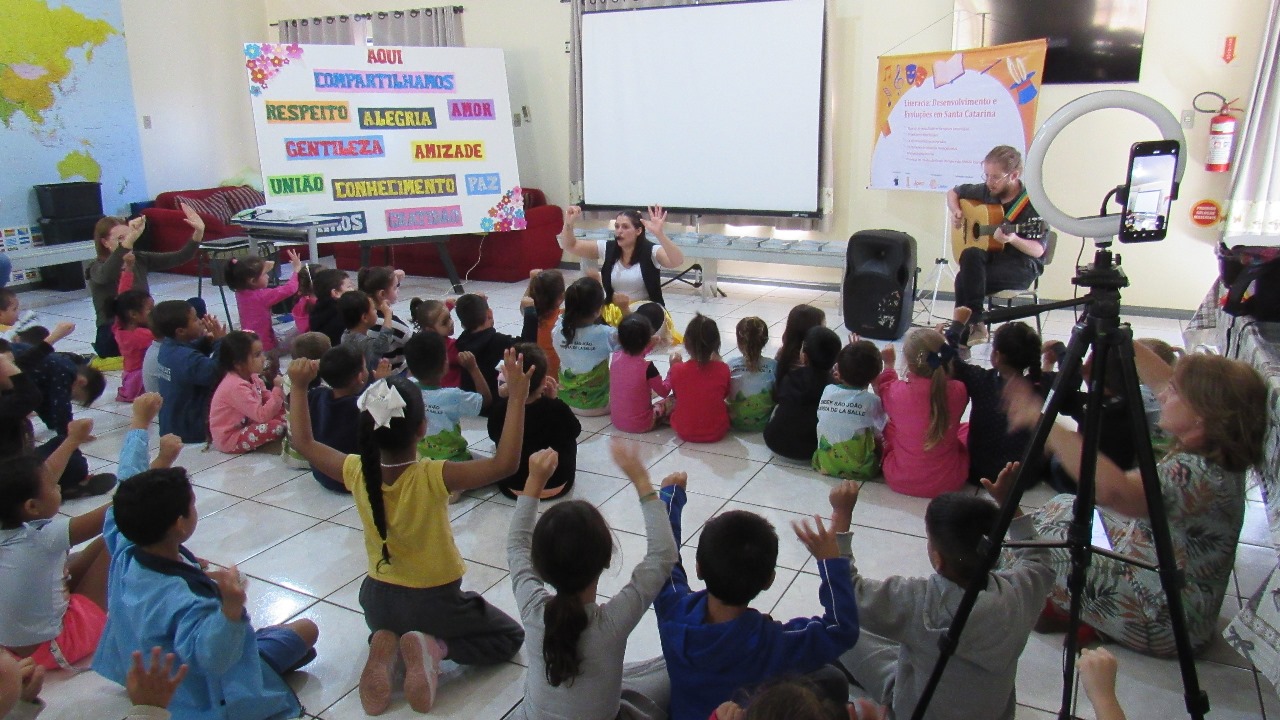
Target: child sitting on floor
(329,285)
(412,599)
(360,318)
(306,298)
(445,407)
(382,285)
(333,406)
(133,336)
(312,346)
(576,668)
(244,414)
(584,344)
(437,316)
(792,431)
(249,278)
(716,644)
(541,307)
(479,338)
(633,380)
(700,385)
(548,423)
(904,619)
(751,378)
(185,376)
(234,671)
(924,442)
(800,321)
(850,417)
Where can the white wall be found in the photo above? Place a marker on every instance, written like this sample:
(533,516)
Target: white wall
(188,75)
(212,135)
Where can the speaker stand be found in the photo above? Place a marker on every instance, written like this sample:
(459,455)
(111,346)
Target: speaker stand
(941,266)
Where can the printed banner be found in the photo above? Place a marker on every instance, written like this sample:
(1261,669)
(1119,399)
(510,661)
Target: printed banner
(937,114)
(393,141)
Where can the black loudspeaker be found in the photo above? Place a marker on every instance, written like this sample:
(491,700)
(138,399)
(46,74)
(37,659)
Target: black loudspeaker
(880,283)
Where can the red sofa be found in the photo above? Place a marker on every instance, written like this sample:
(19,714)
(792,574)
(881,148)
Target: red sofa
(504,256)
(168,229)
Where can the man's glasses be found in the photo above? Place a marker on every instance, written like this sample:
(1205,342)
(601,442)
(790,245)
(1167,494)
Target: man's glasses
(995,178)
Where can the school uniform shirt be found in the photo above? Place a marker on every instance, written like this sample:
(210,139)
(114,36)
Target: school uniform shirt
(151,369)
(238,403)
(416,506)
(633,381)
(333,422)
(488,346)
(700,390)
(849,420)
(175,605)
(33,590)
(584,365)
(445,409)
(255,309)
(185,381)
(751,394)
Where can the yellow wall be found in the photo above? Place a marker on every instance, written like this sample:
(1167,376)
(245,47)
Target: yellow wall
(1181,58)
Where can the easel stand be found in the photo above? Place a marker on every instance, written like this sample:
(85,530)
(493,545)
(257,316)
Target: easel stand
(1099,329)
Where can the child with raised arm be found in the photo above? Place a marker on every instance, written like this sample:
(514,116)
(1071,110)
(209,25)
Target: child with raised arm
(576,661)
(360,318)
(186,375)
(413,599)
(249,278)
(903,619)
(715,643)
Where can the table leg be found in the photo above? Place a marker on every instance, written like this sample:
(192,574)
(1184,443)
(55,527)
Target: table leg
(443,248)
(710,279)
(365,253)
(313,245)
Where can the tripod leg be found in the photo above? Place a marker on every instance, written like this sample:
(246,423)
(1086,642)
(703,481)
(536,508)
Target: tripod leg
(1171,580)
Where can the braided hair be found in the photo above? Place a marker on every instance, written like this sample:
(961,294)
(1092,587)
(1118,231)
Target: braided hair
(371,440)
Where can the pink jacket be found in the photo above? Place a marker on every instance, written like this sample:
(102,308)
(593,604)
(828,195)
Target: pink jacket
(302,313)
(908,467)
(238,402)
(255,309)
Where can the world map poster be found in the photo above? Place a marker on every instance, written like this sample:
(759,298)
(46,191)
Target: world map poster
(66,104)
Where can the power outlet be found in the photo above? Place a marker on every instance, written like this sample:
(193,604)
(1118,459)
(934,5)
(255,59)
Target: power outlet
(1188,119)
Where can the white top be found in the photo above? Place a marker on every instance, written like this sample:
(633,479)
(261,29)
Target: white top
(595,694)
(845,412)
(626,280)
(447,406)
(33,588)
(591,346)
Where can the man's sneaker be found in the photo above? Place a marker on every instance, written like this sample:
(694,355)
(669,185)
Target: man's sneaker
(977,334)
(375,680)
(422,655)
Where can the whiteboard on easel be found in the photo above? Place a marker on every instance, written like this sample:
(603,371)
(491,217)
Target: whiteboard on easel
(394,141)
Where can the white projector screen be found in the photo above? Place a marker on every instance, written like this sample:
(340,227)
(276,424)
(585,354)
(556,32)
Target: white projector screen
(706,108)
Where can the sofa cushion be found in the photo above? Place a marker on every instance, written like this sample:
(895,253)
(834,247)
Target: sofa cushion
(214,206)
(243,197)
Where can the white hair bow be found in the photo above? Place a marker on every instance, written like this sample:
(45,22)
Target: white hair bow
(383,402)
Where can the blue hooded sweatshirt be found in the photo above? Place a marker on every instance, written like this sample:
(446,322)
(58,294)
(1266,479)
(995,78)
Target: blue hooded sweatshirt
(708,663)
(186,380)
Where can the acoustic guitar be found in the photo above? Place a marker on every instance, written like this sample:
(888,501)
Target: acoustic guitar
(981,220)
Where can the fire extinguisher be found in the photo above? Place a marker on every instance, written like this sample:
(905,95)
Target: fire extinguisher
(1222,133)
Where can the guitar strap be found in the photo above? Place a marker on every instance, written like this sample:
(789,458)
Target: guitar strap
(1019,204)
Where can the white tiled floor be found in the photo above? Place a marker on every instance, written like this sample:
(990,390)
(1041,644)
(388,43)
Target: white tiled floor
(302,547)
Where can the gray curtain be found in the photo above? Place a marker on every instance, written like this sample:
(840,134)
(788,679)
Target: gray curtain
(1253,210)
(330,30)
(826,161)
(427,27)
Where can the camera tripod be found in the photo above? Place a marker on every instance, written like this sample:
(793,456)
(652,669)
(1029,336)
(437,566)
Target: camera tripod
(1099,329)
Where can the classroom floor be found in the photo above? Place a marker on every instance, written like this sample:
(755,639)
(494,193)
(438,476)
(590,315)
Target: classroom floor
(301,544)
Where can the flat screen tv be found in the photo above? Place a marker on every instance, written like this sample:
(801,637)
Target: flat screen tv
(1090,41)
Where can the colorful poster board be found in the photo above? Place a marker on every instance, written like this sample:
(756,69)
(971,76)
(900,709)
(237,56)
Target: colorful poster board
(937,114)
(398,142)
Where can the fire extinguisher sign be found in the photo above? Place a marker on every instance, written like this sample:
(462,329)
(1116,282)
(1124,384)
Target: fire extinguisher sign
(1229,49)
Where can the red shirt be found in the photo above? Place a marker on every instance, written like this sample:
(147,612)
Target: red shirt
(701,414)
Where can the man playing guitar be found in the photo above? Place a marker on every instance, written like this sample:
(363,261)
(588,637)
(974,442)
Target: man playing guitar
(1016,263)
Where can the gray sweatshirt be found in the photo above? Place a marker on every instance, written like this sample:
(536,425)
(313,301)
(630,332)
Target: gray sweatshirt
(916,612)
(596,693)
(104,275)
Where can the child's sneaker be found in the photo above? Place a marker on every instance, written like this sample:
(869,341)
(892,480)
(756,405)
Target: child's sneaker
(422,655)
(375,680)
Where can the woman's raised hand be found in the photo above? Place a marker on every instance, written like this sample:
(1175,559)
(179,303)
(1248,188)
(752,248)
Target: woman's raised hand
(193,219)
(657,219)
